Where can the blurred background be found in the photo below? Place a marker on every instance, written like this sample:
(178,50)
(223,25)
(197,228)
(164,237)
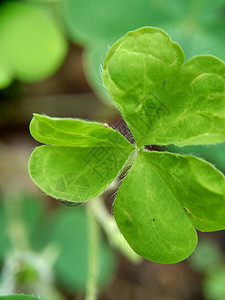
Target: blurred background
(51,53)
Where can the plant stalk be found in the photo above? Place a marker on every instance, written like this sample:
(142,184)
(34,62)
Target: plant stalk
(16,227)
(93,255)
(108,224)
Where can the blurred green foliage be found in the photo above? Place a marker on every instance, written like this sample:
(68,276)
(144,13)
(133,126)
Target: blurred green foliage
(211,153)
(32,46)
(18,297)
(207,255)
(4,239)
(209,261)
(214,284)
(70,233)
(62,234)
(25,209)
(197,25)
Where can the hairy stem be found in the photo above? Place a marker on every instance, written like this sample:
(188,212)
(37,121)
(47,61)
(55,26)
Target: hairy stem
(93,249)
(110,228)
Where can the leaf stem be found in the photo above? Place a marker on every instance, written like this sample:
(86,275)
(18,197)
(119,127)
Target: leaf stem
(93,254)
(111,230)
(128,163)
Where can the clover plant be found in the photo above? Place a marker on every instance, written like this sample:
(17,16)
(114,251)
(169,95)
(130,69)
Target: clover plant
(198,26)
(164,197)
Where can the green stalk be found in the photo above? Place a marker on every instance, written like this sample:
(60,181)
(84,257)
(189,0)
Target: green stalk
(110,228)
(16,227)
(93,255)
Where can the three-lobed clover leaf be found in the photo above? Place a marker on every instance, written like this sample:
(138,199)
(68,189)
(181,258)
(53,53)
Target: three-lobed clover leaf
(164,196)
(163,100)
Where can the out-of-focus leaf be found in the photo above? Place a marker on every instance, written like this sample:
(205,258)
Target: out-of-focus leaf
(107,20)
(31,44)
(207,255)
(4,239)
(5,75)
(212,153)
(213,284)
(18,297)
(70,234)
(33,212)
(25,209)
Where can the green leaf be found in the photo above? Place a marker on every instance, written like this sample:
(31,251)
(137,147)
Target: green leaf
(98,24)
(198,26)
(70,234)
(31,44)
(82,161)
(162,100)
(172,194)
(18,297)
(76,132)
